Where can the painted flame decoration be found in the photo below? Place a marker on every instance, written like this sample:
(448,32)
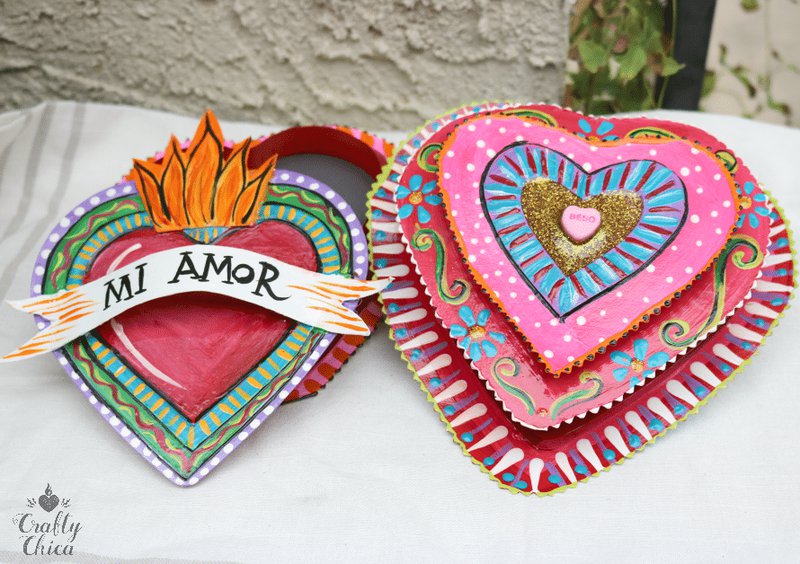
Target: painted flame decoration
(199,186)
(202,185)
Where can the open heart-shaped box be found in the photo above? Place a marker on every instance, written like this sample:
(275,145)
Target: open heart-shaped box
(567,288)
(186,376)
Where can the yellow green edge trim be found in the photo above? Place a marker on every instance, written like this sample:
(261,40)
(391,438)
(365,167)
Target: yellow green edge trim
(376,186)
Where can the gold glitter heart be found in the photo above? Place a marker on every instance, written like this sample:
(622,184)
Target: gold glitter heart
(543,203)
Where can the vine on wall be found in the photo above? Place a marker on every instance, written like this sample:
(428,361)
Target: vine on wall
(751,86)
(618,49)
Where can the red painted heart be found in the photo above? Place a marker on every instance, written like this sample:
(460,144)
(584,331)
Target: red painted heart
(152,338)
(185,380)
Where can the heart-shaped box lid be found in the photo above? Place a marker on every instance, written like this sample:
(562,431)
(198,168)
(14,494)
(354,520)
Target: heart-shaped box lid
(271,292)
(528,430)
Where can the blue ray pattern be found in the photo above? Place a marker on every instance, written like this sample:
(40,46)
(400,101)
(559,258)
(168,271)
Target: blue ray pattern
(663,197)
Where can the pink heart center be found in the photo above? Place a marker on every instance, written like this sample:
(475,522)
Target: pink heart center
(580,224)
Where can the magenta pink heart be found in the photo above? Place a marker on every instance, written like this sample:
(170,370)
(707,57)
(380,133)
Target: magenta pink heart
(580,224)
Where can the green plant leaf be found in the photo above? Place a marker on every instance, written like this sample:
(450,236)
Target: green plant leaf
(670,66)
(593,55)
(709,82)
(632,34)
(632,62)
(633,97)
(749,5)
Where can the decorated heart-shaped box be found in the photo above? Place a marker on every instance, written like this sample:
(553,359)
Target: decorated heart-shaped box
(192,298)
(567,288)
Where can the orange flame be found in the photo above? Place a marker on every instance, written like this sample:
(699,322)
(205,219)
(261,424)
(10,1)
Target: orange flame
(199,186)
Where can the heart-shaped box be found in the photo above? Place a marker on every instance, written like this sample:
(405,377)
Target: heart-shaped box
(548,357)
(185,378)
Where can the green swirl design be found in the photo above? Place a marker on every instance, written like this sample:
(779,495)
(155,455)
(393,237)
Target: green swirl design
(455,293)
(424,157)
(571,399)
(546,118)
(677,333)
(728,160)
(508,368)
(650,132)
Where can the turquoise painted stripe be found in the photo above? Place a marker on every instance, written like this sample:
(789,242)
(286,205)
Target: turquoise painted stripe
(550,279)
(533,268)
(538,157)
(510,221)
(570,175)
(522,160)
(636,174)
(603,272)
(499,206)
(509,171)
(632,249)
(616,178)
(567,296)
(660,220)
(527,249)
(596,182)
(658,179)
(620,261)
(642,232)
(581,187)
(587,282)
(509,237)
(553,160)
(668,197)
(494,187)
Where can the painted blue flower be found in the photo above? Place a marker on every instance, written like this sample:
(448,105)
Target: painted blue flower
(752,206)
(476,339)
(641,365)
(602,129)
(416,193)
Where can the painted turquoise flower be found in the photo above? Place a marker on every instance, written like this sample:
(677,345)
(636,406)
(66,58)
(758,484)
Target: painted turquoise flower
(600,133)
(416,193)
(640,366)
(753,207)
(476,339)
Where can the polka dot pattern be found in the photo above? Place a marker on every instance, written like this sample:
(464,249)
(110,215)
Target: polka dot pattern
(462,167)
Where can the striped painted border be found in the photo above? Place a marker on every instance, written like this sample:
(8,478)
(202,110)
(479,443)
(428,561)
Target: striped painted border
(319,350)
(192,435)
(664,210)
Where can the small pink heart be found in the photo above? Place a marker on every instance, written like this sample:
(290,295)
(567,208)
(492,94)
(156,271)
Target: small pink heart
(580,224)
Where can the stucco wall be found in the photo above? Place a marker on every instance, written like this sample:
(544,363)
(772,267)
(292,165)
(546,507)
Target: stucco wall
(373,64)
(755,58)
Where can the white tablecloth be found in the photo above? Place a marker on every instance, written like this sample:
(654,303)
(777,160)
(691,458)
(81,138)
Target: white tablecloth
(366,471)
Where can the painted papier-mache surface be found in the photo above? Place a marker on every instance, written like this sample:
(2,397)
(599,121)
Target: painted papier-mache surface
(567,288)
(192,298)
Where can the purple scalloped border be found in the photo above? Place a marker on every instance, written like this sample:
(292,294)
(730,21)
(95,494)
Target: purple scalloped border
(360,262)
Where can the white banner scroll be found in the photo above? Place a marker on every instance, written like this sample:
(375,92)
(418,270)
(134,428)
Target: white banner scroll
(305,296)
